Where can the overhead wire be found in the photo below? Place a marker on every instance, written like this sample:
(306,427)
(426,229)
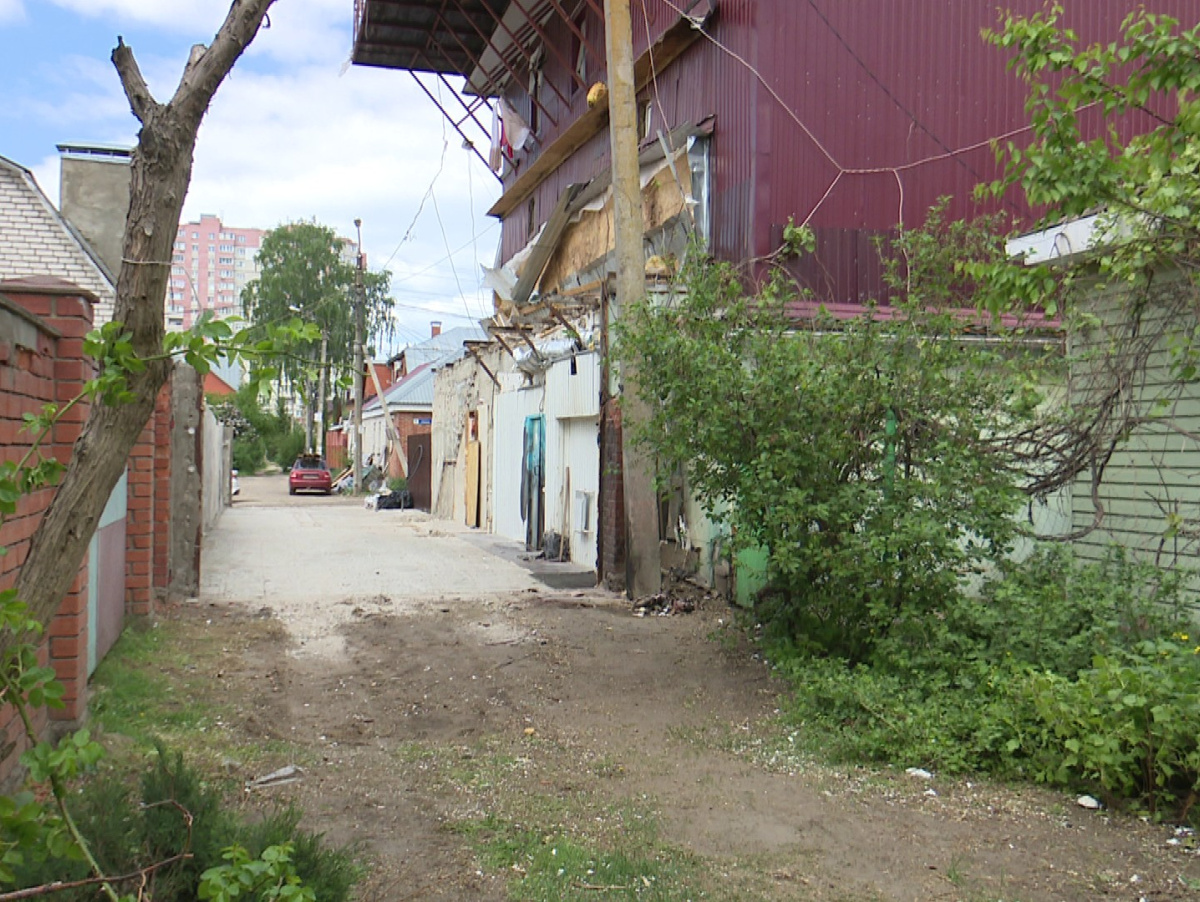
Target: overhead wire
(442,226)
(461,294)
(428,191)
(440,261)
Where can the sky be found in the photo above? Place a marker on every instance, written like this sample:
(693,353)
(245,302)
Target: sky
(294,133)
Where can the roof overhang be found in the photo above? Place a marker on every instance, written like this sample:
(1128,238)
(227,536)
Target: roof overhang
(443,36)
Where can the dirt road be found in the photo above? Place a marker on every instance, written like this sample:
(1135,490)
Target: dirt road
(487,737)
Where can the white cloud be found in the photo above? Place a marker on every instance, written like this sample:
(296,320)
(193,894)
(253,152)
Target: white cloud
(11,11)
(298,30)
(174,15)
(306,142)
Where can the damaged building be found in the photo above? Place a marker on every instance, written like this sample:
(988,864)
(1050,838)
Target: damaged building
(751,114)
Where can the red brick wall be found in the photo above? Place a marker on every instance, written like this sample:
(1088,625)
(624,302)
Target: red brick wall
(52,370)
(406,427)
(611,538)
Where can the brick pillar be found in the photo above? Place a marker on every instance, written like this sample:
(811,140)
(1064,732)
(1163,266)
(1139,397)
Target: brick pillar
(147,528)
(161,545)
(42,326)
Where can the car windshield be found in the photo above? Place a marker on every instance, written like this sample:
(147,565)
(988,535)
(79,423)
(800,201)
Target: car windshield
(309,463)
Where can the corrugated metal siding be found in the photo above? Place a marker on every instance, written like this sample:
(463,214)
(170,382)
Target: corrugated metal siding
(511,410)
(926,62)
(572,468)
(1155,471)
(883,84)
(702,82)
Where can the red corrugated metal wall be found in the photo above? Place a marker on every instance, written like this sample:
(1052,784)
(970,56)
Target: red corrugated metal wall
(872,84)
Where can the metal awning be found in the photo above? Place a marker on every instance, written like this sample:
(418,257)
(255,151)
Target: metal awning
(442,36)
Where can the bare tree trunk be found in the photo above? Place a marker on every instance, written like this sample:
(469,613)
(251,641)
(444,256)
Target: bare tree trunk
(162,170)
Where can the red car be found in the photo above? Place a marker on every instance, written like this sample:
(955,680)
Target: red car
(309,474)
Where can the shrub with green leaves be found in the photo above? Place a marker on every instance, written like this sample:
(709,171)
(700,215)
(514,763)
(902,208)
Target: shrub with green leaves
(1129,724)
(862,454)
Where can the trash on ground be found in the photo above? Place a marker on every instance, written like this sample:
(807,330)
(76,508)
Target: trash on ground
(663,604)
(289,774)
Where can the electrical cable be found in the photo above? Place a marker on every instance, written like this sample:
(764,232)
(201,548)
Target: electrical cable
(462,296)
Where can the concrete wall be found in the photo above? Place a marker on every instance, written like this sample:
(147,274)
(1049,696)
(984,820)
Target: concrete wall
(460,389)
(573,453)
(186,484)
(94,197)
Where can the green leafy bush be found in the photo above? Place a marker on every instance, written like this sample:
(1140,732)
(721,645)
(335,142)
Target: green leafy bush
(285,447)
(862,454)
(1079,675)
(1129,724)
(258,436)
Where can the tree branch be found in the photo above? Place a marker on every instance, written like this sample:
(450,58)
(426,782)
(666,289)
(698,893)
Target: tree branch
(141,101)
(208,66)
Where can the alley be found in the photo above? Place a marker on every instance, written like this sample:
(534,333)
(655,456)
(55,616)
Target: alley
(312,560)
(464,722)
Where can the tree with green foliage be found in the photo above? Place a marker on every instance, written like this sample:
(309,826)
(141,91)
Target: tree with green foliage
(307,274)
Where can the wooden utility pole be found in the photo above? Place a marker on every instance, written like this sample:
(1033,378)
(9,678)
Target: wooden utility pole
(358,362)
(324,377)
(643,573)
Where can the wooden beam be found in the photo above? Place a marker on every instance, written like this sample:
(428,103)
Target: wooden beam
(554,311)
(479,360)
(392,431)
(545,245)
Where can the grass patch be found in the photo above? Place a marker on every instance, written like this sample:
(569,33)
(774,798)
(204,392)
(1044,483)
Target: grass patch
(549,866)
(136,690)
(164,681)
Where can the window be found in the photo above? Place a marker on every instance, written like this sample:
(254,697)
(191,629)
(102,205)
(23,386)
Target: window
(195,235)
(645,114)
(698,164)
(579,51)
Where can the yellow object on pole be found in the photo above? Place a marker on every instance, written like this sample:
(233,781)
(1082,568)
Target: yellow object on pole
(643,573)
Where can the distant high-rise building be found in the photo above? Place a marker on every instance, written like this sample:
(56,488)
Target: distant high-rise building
(212,263)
